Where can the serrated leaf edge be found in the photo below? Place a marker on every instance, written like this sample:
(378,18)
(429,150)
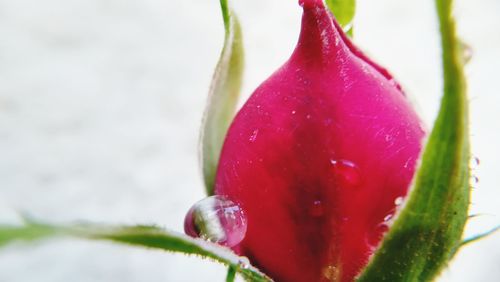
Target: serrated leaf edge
(151,237)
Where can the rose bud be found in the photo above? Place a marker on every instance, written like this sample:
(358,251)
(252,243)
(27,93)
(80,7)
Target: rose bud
(319,158)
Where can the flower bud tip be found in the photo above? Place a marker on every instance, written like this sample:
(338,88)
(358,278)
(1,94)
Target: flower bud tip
(310,3)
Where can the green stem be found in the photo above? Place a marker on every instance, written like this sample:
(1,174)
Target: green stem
(225,14)
(231,274)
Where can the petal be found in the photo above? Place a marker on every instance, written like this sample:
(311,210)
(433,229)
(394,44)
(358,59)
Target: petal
(318,158)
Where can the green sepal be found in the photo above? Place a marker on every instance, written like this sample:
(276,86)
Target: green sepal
(344,11)
(428,229)
(140,236)
(231,274)
(222,97)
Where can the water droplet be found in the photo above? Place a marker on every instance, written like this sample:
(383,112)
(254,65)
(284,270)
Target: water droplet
(308,116)
(407,163)
(398,201)
(316,208)
(294,112)
(475,162)
(346,173)
(388,217)
(253,137)
(216,219)
(475,179)
(243,263)
(466,51)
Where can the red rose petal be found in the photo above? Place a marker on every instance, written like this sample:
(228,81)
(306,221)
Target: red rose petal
(317,156)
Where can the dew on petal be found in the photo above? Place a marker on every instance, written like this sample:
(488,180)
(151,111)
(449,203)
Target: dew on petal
(216,219)
(253,137)
(398,201)
(388,217)
(346,173)
(316,209)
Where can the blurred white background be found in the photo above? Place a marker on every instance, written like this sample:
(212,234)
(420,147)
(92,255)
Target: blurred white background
(101,102)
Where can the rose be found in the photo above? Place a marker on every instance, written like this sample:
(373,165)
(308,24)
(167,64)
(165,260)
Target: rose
(319,158)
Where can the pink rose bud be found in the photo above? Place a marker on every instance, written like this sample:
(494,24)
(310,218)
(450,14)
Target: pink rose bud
(319,158)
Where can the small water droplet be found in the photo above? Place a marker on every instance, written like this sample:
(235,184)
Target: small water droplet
(466,51)
(253,137)
(475,179)
(475,162)
(398,201)
(243,263)
(316,208)
(346,173)
(308,116)
(294,112)
(216,219)
(388,217)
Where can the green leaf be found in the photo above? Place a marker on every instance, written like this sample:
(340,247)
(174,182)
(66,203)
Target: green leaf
(344,11)
(223,96)
(429,228)
(141,236)
(28,233)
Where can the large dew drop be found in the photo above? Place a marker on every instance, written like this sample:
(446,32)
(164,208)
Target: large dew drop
(216,219)
(346,173)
